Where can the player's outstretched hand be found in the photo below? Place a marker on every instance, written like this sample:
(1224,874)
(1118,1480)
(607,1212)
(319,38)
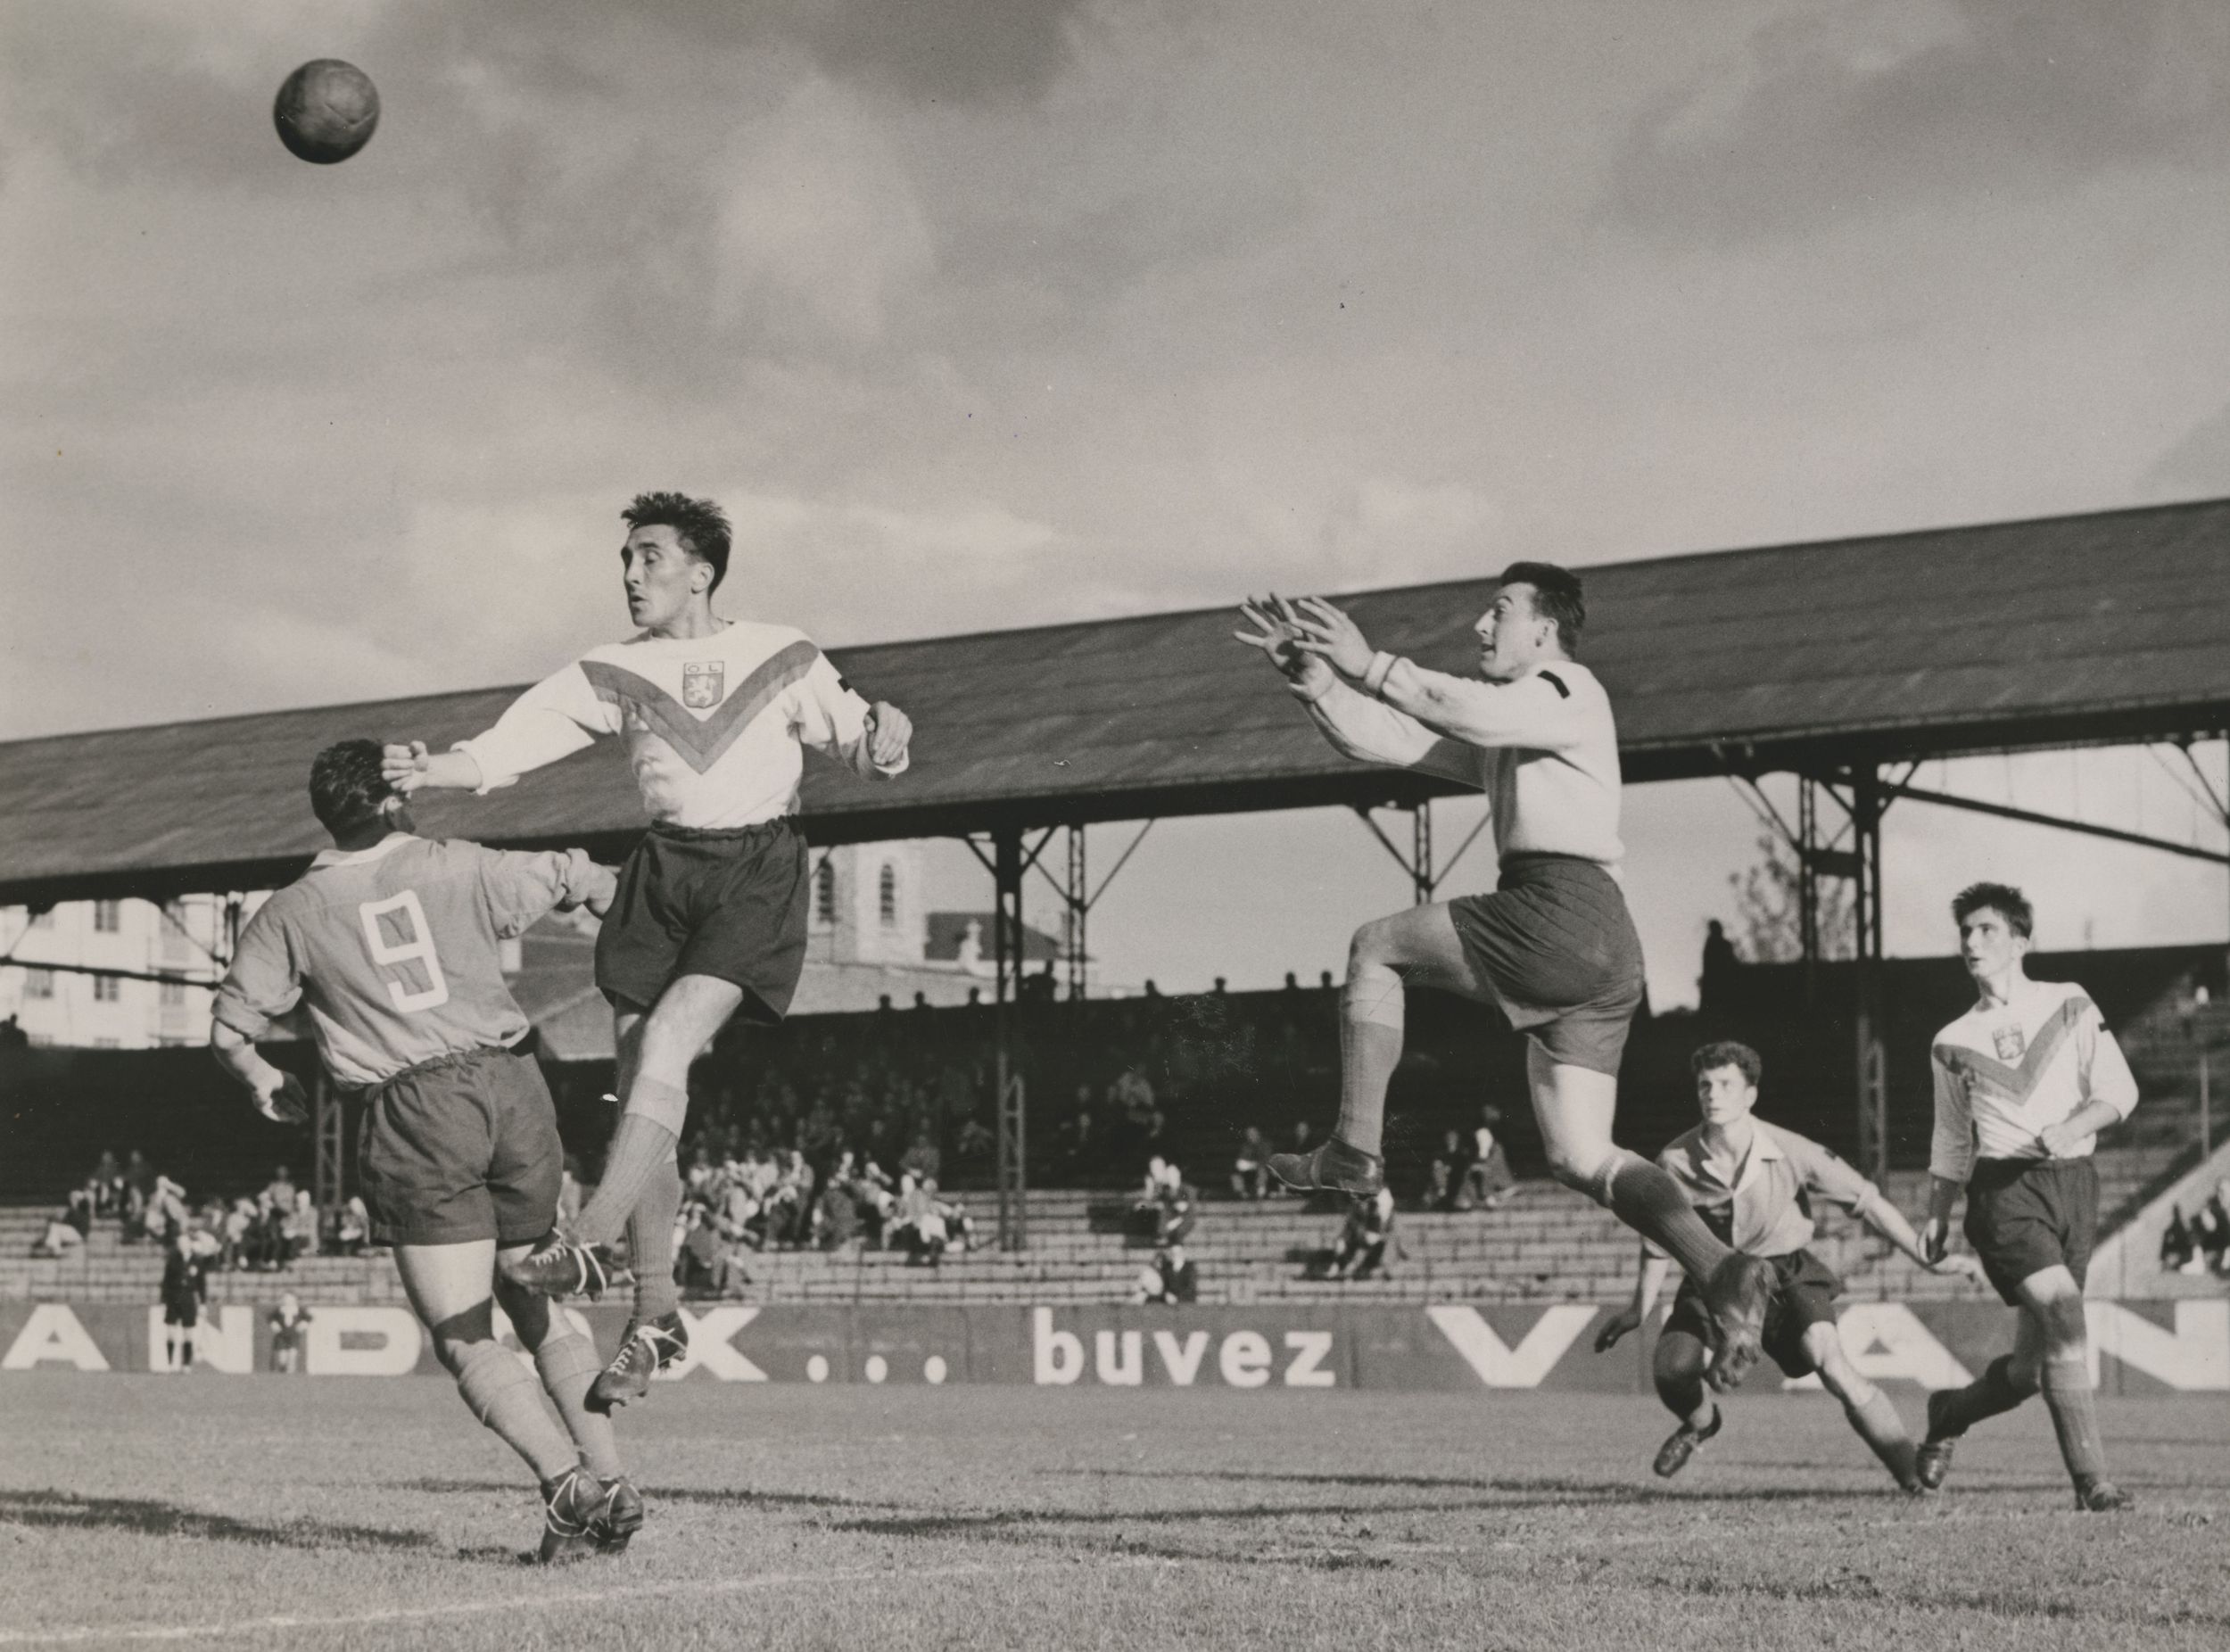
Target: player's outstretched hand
(403,767)
(1277,634)
(888,731)
(1615,1328)
(285,1102)
(1326,630)
(1935,1239)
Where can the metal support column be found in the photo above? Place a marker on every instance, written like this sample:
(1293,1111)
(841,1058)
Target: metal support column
(1867,803)
(329,1138)
(1421,879)
(1006,952)
(1808,883)
(1077,893)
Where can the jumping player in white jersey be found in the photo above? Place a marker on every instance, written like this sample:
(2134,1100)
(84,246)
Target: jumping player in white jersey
(710,918)
(2024,1083)
(1553,946)
(393,944)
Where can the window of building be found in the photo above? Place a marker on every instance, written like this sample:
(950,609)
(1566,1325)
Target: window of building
(107,989)
(43,919)
(173,995)
(108,917)
(886,892)
(824,892)
(38,983)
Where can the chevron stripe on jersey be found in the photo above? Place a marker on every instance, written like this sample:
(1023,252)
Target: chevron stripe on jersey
(2014,1082)
(700,742)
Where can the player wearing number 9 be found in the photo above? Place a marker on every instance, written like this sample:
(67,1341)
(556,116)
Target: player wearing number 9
(392,943)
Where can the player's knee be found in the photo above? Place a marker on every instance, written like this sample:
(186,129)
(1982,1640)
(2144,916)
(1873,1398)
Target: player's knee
(2066,1328)
(1583,1165)
(455,1337)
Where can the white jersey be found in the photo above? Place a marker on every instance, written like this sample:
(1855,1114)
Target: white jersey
(2006,1072)
(714,726)
(1544,749)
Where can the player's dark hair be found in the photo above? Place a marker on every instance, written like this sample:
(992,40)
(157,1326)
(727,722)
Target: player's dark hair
(345,787)
(2021,917)
(1556,596)
(1727,1052)
(700,525)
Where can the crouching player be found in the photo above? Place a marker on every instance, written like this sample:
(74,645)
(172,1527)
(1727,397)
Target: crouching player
(2024,1083)
(393,940)
(1752,1183)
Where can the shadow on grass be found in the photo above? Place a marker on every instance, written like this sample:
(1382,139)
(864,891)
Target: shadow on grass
(734,1496)
(69,1511)
(1533,1492)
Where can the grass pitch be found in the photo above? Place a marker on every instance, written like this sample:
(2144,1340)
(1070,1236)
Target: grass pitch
(260,1512)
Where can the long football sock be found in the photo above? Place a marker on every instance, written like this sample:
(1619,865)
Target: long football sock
(1649,1201)
(644,1140)
(1878,1424)
(567,1363)
(1372,1011)
(504,1395)
(1992,1394)
(650,1241)
(2067,1396)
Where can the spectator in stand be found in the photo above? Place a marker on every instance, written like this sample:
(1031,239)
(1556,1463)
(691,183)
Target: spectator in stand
(1487,1180)
(1176,1209)
(280,1191)
(1250,1171)
(2211,1228)
(960,1227)
(2179,1246)
(352,1228)
(185,1288)
(70,1230)
(1173,1279)
(108,1185)
(302,1226)
(165,1215)
(1078,1145)
(289,1323)
(1145,1211)
(1450,1166)
(920,1224)
(1364,1237)
(923,1159)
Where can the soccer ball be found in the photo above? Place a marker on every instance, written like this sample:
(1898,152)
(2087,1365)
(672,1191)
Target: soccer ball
(326,111)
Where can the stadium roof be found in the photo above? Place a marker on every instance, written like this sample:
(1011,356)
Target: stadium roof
(2071,630)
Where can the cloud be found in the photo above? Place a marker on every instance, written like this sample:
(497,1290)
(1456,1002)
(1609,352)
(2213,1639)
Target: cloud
(2200,462)
(1859,109)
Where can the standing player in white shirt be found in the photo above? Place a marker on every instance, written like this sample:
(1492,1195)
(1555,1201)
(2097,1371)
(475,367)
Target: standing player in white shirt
(2024,1083)
(710,918)
(1553,946)
(392,942)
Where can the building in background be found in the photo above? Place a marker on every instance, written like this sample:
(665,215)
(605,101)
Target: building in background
(55,1006)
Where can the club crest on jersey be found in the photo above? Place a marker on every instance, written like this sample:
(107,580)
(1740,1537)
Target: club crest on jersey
(2011,1042)
(702,684)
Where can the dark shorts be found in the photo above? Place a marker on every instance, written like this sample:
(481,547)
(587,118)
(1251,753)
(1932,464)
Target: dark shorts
(1557,945)
(1807,1298)
(730,905)
(462,1148)
(187,1312)
(2026,1215)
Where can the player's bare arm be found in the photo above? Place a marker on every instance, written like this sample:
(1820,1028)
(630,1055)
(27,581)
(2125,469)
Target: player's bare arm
(278,1096)
(890,733)
(2065,1139)
(1886,1219)
(1648,1284)
(410,766)
(1943,1199)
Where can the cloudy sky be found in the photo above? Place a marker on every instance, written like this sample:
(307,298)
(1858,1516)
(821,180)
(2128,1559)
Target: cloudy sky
(979,312)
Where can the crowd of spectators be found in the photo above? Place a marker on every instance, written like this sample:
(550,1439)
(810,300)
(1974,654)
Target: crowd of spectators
(762,1199)
(264,1231)
(2201,1245)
